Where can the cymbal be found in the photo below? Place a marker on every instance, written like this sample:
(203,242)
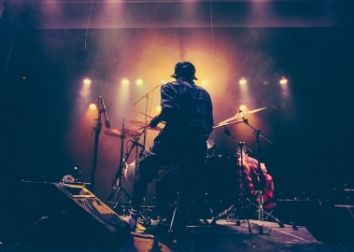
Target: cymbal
(122,133)
(238,117)
(142,125)
(253,111)
(227,123)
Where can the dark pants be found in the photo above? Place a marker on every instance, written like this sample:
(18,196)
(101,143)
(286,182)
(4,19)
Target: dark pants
(185,151)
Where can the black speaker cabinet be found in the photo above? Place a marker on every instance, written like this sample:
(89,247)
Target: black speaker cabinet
(59,214)
(327,222)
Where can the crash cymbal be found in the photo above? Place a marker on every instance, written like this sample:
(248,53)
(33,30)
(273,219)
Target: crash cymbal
(227,123)
(143,125)
(122,133)
(253,111)
(238,117)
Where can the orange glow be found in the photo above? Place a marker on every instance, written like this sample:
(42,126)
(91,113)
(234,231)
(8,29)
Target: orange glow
(204,82)
(158,108)
(92,106)
(151,56)
(146,58)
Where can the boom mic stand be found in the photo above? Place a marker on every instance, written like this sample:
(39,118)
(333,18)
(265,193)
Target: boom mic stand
(97,131)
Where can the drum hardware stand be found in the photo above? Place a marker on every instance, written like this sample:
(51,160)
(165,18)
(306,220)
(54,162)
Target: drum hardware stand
(260,209)
(240,205)
(115,197)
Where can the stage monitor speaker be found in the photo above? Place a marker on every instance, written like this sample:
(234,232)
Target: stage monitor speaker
(63,215)
(327,222)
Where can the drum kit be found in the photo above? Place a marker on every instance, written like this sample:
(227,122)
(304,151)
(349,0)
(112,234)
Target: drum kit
(251,179)
(246,175)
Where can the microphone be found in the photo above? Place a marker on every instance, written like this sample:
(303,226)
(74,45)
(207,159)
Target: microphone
(104,110)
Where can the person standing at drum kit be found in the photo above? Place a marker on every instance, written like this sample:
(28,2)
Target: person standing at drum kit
(188,113)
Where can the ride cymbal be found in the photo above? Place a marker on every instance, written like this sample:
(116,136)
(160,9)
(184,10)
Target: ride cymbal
(238,117)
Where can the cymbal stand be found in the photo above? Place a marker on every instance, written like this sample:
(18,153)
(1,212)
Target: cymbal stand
(261,179)
(97,131)
(238,208)
(115,197)
(147,99)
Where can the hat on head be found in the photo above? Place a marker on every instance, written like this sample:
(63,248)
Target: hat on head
(184,69)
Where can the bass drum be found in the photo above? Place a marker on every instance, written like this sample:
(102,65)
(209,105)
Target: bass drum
(256,180)
(220,181)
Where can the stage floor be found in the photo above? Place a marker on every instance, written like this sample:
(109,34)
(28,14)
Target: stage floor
(224,236)
(227,236)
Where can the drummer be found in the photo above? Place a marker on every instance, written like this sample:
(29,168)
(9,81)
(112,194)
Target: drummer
(187,111)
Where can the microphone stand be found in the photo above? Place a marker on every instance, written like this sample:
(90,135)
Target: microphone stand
(261,178)
(239,203)
(97,131)
(147,98)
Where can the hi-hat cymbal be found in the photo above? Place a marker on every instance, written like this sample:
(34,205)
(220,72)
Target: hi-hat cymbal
(122,133)
(142,125)
(238,117)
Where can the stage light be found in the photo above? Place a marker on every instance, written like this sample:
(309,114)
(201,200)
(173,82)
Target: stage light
(125,81)
(158,108)
(204,82)
(93,106)
(284,87)
(139,82)
(242,81)
(283,81)
(85,88)
(87,82)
